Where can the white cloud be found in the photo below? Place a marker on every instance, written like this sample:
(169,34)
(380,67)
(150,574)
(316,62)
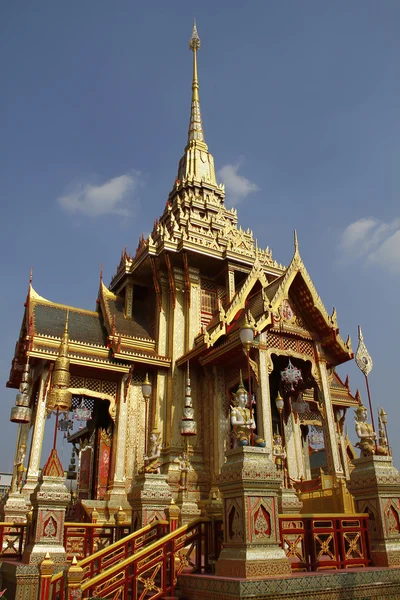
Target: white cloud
(237,187)
(103,199)
(375,241)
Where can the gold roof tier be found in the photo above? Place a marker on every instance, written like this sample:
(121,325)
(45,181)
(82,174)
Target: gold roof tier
(101,339)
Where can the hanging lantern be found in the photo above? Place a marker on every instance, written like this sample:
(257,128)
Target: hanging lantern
(21,413)
(300,406)
(188,425)
(59,396)
(291,377)
(316,436)
(65,425)
(279,402)
(71,473)
(82,412)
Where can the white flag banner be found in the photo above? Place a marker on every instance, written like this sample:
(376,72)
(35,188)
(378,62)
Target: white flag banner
(363,358)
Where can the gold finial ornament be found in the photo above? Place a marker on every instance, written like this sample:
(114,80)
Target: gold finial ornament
(296,242)
(194,43)
(363,357)
(59,396)
(195,125)
(197,163)
(241,389)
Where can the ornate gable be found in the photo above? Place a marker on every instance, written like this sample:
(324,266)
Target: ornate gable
(289,303)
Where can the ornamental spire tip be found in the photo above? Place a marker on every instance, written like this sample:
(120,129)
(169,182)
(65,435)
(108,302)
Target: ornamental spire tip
(194,43)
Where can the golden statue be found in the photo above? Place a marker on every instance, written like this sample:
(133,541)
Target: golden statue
(278,452)
(152,461)
(20,465)
(243,425)
(366,434)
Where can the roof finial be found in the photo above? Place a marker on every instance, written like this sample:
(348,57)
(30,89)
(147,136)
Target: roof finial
(296,242)
(195,125)
(197,164)
(30,275)
(65,335)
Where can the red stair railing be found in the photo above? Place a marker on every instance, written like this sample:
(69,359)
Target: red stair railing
(12,540)
(315,542)
(107,557)
(152,572)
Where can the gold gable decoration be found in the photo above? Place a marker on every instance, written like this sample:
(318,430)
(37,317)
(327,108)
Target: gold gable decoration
(53,466)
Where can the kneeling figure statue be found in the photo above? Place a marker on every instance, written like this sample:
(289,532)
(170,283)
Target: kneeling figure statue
(367,435)
(243,425)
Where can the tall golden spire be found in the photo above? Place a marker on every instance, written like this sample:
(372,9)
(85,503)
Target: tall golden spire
(197,163)
(195,125)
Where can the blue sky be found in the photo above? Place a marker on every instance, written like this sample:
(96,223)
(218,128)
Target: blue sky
(300,104)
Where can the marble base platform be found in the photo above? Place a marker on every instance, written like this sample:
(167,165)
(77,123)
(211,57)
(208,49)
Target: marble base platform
(362,584)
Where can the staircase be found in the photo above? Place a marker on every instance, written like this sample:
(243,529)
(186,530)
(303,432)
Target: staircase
(142,566)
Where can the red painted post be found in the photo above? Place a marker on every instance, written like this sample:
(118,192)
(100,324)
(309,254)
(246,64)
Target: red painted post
(172,514)
(46,573)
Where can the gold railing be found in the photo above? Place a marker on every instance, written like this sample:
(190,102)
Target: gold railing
(103,559)
(85,539)
(135,567)
(152,572)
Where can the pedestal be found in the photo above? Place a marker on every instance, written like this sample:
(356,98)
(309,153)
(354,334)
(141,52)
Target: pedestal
(15,508)
(149,497)
(20,581)
(189,509)
(289,501)
(249,487)
(49,502)
(375,485)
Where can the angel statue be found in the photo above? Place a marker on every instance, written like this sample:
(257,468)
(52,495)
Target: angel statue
(243,425)
(152,461)
(366,434)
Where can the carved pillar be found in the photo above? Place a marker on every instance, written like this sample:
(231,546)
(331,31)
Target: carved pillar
(307,466)
(22,440)
(230,283)
(176,349)
(292,460)
(37,438)
(331,444)
(219,406)
(375,485)
(343,452)
(264,416)
(160,409)
(117,488)
(249,487)
(15,507)
(194,320)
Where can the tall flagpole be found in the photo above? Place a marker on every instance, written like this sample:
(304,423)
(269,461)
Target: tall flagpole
(364,363)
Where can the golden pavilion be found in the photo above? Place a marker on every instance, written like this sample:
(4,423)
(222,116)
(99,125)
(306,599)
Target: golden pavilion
(205,383)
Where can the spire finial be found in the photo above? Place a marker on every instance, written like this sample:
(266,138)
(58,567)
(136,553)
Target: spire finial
(296,242)
(195,125)
(65,338)
(197,164)
(31,275)
(194,43)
